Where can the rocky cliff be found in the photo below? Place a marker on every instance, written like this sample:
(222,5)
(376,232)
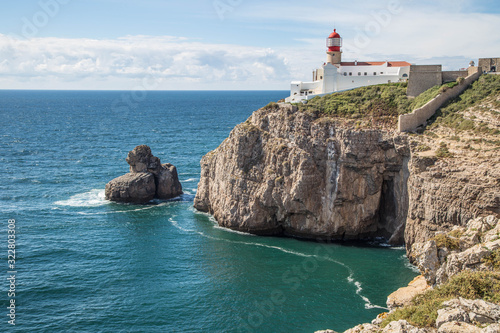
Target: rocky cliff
(297,173)
(305,174)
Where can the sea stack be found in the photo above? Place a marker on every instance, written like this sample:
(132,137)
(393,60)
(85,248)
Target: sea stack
(148,179)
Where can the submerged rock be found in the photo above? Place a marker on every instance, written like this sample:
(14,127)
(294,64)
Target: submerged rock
(148,179)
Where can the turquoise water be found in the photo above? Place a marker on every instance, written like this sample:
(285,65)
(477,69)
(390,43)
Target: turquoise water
(87,265)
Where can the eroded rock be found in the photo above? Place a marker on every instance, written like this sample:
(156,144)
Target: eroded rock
(132,188)
(148,179)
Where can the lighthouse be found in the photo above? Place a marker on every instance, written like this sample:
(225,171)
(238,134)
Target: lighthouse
(334,43)
(337,75)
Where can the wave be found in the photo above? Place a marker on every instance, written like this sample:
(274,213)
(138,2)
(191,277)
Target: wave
(122,211)
(359,289)
(93,198)
(218,227)
(190,180)
(176,224)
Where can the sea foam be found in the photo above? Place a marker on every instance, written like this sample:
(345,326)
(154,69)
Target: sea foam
(92,198)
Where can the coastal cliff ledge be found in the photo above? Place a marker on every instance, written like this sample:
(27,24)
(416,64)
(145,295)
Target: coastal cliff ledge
(298,173)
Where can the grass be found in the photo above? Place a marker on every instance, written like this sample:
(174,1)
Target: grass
(379,100)
(449,115)
(467,284)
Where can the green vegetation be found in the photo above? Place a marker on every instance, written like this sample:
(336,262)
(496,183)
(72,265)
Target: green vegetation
(378,101)
(272,106)
(449,116)
(493,259)
(442,151)
(443,240)
(467,284)
(457,233)
(423,148)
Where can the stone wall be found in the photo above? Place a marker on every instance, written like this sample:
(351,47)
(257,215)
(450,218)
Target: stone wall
(490,64)
(410,121)
(423,77)
(452,76)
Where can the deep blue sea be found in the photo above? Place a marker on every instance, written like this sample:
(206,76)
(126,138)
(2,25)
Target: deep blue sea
(86,265)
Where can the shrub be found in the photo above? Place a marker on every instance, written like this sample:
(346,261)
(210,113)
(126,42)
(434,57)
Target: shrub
(423,148)
(467,284)
(493,259)
(442,151)
(272,106)
(443,240)
(457,233)
(485,87)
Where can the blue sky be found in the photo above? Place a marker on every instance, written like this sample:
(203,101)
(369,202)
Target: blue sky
(227,44)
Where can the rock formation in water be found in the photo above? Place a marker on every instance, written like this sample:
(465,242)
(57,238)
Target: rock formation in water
(302,175)
(147,179)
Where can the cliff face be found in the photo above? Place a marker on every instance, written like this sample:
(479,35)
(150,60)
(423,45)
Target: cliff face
(298,174)
(447,193)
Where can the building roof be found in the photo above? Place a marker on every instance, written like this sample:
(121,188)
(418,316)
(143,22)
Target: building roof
(377,63)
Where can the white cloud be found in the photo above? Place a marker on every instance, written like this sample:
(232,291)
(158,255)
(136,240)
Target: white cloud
(420,32)
(415,29)
(172,62)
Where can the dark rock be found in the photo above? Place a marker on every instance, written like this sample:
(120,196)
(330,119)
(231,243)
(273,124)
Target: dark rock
(132,188)
(148,179)
(168,182)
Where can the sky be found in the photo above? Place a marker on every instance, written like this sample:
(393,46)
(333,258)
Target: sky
(228,44)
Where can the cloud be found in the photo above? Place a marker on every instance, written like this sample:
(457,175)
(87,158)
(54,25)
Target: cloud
(173,62)
(416,29)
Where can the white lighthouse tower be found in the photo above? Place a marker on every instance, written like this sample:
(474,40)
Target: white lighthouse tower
(334,45)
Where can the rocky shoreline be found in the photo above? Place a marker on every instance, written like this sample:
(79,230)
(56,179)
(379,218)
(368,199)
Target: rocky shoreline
(464,249)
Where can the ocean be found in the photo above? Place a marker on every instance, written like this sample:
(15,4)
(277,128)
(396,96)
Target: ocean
(83,264)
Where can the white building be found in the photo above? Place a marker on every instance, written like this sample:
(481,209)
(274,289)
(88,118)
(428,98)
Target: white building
(336,75)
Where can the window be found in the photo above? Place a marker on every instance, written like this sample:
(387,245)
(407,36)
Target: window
(381,73)
(374,73)
(366,73)
(405,75)
(345,73)
(359,73)
(350,73)
(321,77)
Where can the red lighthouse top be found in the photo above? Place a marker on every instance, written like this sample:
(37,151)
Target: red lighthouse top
(334,42)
